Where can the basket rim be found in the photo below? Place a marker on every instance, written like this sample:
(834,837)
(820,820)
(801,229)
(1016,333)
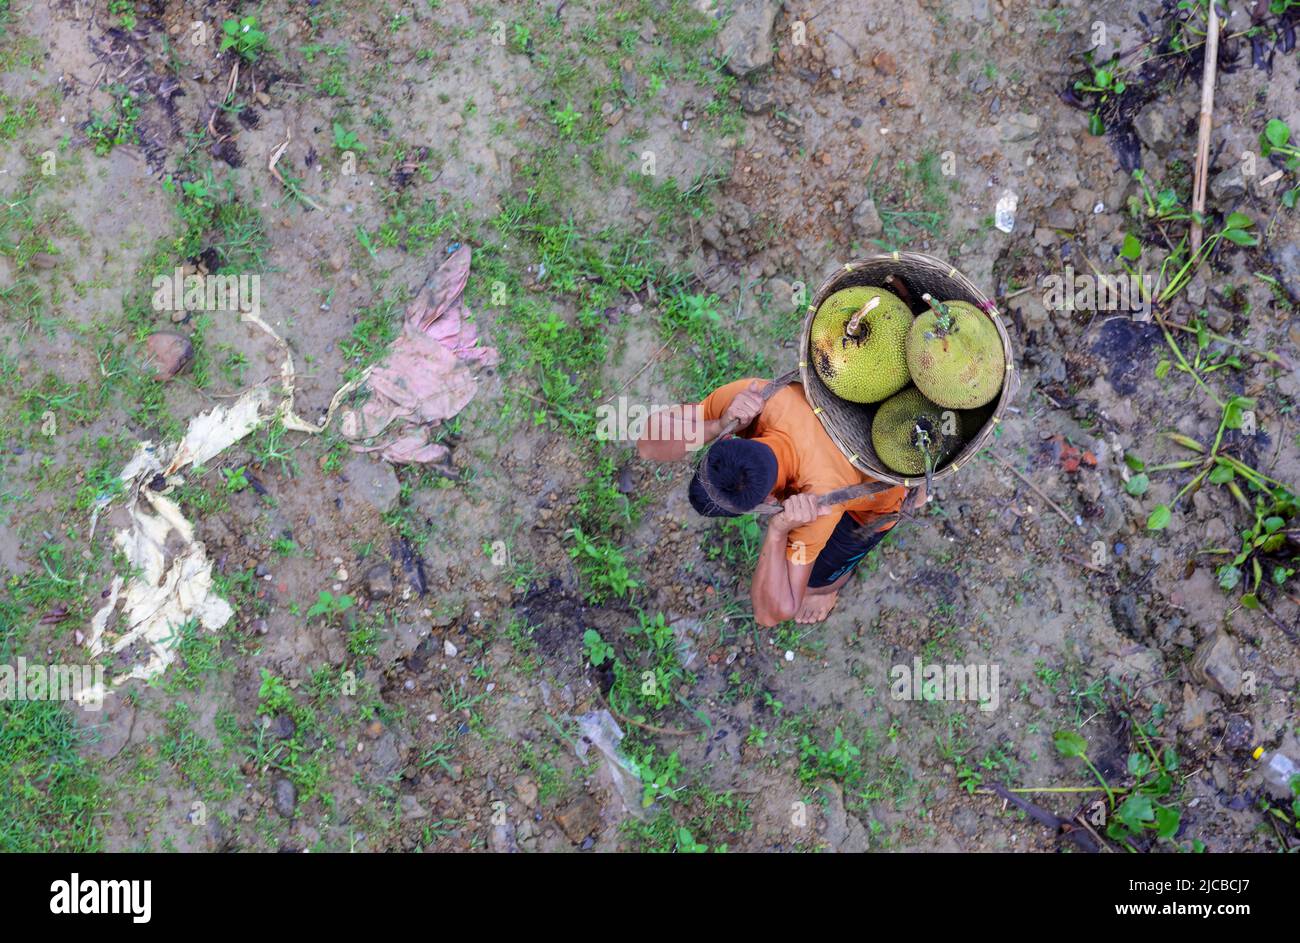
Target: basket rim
(1010,383)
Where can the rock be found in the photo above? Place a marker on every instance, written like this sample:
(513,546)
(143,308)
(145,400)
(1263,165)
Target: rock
(1197,705)
(282,727)
(884,63)
(866,220)
(745,42)
(379,581)
(1228,184)
(579,818)
(1220,321)
(1155,126)
(1019,127)
(1286,263)
(285,797)
(757,100)
(374,482)
(1216,665)
(1240,735)
(168,353)
(526,790)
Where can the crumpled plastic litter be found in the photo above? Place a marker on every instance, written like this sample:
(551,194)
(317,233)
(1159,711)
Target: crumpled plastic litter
(601,730)
(171,574)
(425,377)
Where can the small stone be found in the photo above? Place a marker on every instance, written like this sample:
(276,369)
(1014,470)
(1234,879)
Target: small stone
(1216,664)
(379,581)
(1228,184)
(757,100)
(579,819)
(285,797)
(449,648)
(884,63)
(866,219)
(1240,735)
(745,42)
(168,353)
(526,790)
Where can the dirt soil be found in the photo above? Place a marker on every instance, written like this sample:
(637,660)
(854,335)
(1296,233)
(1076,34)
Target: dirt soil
(651,190)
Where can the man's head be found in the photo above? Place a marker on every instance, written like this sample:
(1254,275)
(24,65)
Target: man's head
(742,470)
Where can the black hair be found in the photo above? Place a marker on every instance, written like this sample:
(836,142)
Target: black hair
(742,471)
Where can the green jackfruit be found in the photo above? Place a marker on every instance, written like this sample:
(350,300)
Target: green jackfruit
(857,344)
(955,356)
(908,427)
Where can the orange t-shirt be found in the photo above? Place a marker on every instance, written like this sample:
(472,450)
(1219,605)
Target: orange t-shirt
(807,460)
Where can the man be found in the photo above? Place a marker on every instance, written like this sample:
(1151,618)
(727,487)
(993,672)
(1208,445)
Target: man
(782,453)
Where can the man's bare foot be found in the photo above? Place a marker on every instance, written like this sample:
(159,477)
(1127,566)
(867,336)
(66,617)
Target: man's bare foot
(816,607)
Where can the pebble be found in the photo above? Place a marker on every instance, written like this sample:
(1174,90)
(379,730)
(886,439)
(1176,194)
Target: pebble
(169,353)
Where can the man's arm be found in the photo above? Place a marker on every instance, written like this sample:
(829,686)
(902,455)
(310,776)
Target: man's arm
(670,433)
(778,587)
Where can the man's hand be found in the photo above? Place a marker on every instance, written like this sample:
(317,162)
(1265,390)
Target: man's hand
(745,407)
(799,510)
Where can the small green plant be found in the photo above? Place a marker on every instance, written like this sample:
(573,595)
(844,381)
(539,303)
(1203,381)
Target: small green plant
(603,566)
(244,37)
(1147,806)
(330,606)
(124,10)
(116,126)
(236,478)
(566,119)
(598,650)
(345,140)
(1276,139)
(1106,85)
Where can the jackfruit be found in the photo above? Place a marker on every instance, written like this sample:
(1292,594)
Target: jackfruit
(954,355)
(908,429)
(857,344)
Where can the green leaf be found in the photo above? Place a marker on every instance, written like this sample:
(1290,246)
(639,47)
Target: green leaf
(1229,577)
(1240,238)
(1159,517)
(1250,601)
(1137,485)
(1277,133)
(1273,524)
(1222,474)
(1167,822)
(1136,810)
(1101,78)
(1070,743)
(1096,127)
(1139,764)
(1133,462)
(1132,248)
(1162,369)
(1238,221)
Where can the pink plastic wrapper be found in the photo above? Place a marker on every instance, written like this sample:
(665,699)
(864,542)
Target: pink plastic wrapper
(426,376)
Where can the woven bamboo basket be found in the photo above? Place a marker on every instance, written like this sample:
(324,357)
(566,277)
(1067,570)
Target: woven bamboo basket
(849,424)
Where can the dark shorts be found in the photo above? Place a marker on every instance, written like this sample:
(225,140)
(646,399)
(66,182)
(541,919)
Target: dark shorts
(845,550)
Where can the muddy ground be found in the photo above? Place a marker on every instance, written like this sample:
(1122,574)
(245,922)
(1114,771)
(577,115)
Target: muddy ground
(651,190)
